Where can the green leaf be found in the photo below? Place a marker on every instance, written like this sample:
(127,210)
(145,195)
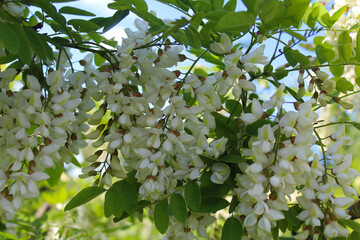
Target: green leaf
(351,224)
(233,158)
(295,9)
(213,204)
(83,25)
(230,5)
(290,56)
(197,19)
(114,203)
(51,11)
(336,16)
(337,70)
(343,85)
(291,217)
(175,25)
(48,50)
(193,195)
(178,207)
(233,107)
(75,11)
(323,14)
(54,173)
(217,4)
(129,197)
(161,216)
(84,196)
(36,43)
(7,58)
(232,229)
(312,16)
(235,22)
(120,5)
(275,233)
(140,4)
(211,58)
(183,4)
(344,46)
(233,204)
(25,52)
(215,190)
(294,57)
(357,49)
(202,5)
(271,13)
(98,59)
(324,54)
(355,235)
(115,19)
(141,205)
(193,36)
(8,236)
(254,6)
(215,15)
(9,38)
(283,224)
(225,127)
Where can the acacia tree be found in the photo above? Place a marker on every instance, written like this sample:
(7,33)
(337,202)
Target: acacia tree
(184,144)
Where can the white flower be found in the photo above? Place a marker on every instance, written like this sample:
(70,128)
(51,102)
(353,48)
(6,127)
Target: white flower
(55,80)
(256,112)
(276,100)
(220,172)
(256,57)
(33,83)
(302,236)
(224,46)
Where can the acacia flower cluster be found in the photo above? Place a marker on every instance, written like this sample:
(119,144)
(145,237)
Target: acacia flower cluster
(157,123)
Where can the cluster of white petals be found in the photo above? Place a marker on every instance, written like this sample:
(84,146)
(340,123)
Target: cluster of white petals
(38,132)
(145,127)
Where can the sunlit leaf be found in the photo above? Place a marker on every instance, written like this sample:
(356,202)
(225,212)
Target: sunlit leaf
(235,22)
(75,11)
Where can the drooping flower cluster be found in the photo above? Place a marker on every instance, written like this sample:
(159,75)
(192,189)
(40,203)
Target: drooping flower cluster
(38,132)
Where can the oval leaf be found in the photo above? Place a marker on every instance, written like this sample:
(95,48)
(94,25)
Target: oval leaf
(235,22)
(8,38)
(344,46)
(84,196)
(193,195)
(75,11)
(129,197)
(324,54)
(83,25)
(233,107)
(178,207)
(161,216)
(113,202)
(36,43)
(213,204)
(115,19)
(232,229)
